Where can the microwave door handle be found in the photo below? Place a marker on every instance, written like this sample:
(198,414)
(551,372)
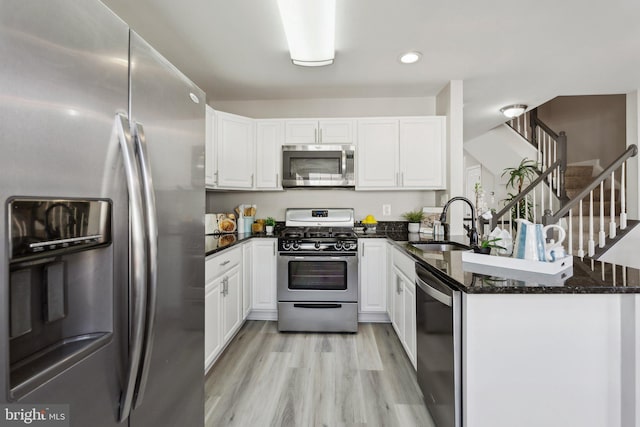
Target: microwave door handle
(152,259)
(138,261)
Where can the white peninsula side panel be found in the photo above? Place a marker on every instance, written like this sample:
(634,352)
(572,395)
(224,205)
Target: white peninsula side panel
(544,360)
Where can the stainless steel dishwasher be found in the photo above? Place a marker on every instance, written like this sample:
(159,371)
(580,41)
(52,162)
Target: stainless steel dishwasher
(439,352)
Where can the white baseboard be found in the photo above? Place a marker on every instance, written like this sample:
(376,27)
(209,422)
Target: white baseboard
(263,315)
(373,318)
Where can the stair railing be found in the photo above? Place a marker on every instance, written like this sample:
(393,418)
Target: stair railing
(608,176)
(531,202)
(550,147)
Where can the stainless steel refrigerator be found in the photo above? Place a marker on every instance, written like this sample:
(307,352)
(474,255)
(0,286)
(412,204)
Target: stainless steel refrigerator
(102,192)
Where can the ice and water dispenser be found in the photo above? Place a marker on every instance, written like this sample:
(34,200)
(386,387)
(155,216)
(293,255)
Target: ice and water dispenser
(60,286)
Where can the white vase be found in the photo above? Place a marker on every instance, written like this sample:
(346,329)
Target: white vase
(269,228)
(414,227)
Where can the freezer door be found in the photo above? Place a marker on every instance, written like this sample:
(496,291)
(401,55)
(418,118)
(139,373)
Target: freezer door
(64,76)
(170,110)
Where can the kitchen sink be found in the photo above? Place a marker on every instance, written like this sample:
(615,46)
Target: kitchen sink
(440,247)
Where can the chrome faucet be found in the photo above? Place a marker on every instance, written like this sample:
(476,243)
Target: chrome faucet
(472,231)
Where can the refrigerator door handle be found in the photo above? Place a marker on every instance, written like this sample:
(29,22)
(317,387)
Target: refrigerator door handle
(138,262)
(151,217)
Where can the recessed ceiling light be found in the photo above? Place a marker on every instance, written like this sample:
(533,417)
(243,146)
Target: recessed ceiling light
(410,57)
(514,110)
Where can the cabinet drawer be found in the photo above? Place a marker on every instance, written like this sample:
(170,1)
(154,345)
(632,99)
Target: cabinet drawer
(405,264)
(218,264)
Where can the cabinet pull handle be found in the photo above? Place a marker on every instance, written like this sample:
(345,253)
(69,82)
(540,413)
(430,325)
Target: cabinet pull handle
(225,263)
(251,180)
(362,249)
(320,134)
(215,179)
(222,287)
(277,180)
(397,179)
(315,135)
(402,179)
(398,285)
(274,248)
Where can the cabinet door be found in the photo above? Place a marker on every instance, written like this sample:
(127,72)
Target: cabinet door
(373,273)
(377,155)
(398,304)
(263,295)
(210,152)
(422,153)
(235,151)
(336,131)
(301,132)
(232,303)
(247,264)
(410,320)
(269,138)
(212,319)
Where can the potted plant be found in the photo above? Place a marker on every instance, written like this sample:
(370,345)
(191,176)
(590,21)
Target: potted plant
(414,218)
(522,174)
(269,223)
(486,245)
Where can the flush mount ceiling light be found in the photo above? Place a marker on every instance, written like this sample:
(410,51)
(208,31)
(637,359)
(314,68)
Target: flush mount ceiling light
(310,30)
(410,57)
(512,111)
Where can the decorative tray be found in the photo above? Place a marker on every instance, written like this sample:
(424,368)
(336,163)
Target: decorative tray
(539,267)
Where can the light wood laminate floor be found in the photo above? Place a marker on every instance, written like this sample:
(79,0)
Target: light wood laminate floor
(267,378)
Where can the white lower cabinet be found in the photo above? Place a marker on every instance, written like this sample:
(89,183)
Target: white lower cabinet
(403,293)
(212,329)
(247,280)
(223,301)
(264,299)
(373,279)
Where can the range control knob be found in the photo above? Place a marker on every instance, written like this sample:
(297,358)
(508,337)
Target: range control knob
(286,246)
(295,246)
(338,246)
(317,246)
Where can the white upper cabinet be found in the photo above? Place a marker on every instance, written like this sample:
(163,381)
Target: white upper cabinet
(422,153)
(269,138)
(377,154)
(315,131)
(235,141)
(401,153)
(210,148)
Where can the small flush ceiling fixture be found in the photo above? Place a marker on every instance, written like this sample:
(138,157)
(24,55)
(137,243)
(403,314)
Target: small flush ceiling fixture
(410,57)
(512,111)
(310,30)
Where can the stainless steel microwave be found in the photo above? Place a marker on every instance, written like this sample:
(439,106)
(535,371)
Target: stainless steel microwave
(308,165)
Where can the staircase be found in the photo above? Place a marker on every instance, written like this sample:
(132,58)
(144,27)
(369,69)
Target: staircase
(589,205)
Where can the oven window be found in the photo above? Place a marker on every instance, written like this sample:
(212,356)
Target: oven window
(318,275)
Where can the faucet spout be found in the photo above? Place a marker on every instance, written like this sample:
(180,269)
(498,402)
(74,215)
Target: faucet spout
(472,231)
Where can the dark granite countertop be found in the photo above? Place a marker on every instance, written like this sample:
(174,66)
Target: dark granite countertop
(214,243)
(585,277)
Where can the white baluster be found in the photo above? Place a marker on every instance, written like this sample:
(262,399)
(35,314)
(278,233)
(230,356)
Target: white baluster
(613,274)
(624,276)
(580,232)
(602,269)
(612,224)
(550,191)
(555,172)
(602,236)
(592,244)
(535,213)
(526,128)
(539,148)
(623,200)
(570,232)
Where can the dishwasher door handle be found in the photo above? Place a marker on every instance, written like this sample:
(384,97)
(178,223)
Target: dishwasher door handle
(435,294)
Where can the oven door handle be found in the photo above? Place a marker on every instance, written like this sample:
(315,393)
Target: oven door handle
(317,305)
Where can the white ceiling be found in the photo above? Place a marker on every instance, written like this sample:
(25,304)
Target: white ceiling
(506,52)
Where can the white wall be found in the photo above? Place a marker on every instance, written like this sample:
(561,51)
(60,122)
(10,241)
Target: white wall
(449,103)
(274,203)
(342,107)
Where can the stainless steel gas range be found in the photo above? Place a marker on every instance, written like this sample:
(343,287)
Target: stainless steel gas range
(318,271)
